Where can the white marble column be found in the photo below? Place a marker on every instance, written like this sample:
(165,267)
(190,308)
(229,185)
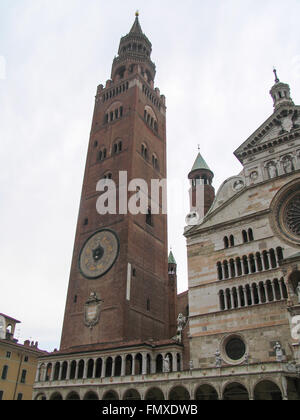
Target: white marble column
(123,368)
(85,369)
(68,371)
(94,369)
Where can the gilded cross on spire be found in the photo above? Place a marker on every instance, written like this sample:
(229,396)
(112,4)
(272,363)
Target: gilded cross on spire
(137,13)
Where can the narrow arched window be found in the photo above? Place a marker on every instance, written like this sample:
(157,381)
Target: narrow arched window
(220,272)
(279,251)
(273,258)
(250,235)
(226,242)
(231,240)
(4,373)
(252,263)
(222,300)
(226,270)
(149,219)
(245,236)
(245,264)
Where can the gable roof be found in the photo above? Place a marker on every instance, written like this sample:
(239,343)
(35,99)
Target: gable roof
(278,128)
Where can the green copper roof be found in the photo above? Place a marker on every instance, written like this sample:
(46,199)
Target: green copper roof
(200,164)
(172,259)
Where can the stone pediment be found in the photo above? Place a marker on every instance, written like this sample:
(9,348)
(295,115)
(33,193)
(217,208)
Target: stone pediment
(279,127)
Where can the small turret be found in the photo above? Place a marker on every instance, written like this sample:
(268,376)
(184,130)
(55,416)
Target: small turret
(202,193)
(172,265)
(281,93)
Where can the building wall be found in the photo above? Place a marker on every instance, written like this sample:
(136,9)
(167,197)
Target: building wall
(12,386)
(261,322)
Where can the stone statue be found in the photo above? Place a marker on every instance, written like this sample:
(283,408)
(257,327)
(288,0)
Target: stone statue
(218,359)
(287,165)
(181,321)
(298,292)
(272,170)
(246,358)
(238,185)
(278,352)
(191,364)
(167,364)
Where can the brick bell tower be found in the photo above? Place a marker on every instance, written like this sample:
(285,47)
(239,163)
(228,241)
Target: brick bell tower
(118,287)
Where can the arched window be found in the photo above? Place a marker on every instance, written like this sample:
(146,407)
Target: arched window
(98,368)
(128,365)
(245,264)
(228,299)
(56,371)
(255,294)
(159,364)
(4,373)
(108,370)
(154,162)
(235,298)
(144,151)
(149,218)
(220,272)
(273,258)
(231,239)
(80,369)
(226,270)
(248,295)
(108,176)
(252,263)
(250,235)
(64,371)
(90,369)
(242,296)
(262,290)
(232,268)
(73,369)
(245,236)
(266,260)
(239,267)
(222,300)
(279,251)
(226,242)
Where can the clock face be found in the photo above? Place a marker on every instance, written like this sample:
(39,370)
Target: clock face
(99,254)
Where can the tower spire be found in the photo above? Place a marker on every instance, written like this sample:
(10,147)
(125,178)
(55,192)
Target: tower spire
(134,54)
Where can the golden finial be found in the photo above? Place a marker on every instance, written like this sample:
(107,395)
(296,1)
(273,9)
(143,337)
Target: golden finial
(137,13)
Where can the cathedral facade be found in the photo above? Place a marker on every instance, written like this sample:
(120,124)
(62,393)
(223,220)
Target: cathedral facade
(127,335)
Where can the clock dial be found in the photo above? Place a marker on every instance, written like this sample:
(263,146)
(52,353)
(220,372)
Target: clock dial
(99,254)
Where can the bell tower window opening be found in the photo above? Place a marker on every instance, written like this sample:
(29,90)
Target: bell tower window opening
(149,217)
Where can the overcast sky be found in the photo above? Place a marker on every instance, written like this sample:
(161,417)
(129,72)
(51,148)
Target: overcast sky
(214,64)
